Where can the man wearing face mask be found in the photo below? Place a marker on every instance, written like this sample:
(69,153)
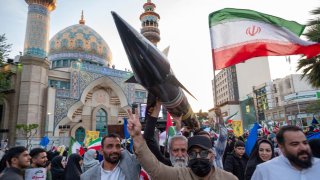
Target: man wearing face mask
(199,151)
(296,163)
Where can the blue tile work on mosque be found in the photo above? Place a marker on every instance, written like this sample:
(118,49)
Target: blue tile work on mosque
(36,8)
(37,31)
(80,42)
(61,108)
(37,52)
(77,55)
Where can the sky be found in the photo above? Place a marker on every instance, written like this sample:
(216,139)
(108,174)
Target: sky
(183,26)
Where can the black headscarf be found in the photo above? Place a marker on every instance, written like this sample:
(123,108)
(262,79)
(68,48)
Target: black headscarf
(73,169)
(3,162)
(255,159)
(57,169)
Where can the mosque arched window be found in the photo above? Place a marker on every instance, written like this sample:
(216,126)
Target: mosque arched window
(101,122)
(80,134)
(93,46)
(79,43)
(64,43)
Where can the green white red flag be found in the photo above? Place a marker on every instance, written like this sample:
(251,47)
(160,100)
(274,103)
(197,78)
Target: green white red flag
(95,144)
(239,34)
(75,147)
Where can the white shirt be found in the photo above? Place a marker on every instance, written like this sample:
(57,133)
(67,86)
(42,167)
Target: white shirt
(114,174)
(280,168)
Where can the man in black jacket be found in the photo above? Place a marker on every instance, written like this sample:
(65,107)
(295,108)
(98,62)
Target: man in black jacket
(18,159)
(177,144)
(237,161)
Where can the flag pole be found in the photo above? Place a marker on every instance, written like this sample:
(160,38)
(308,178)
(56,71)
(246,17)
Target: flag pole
(214,73)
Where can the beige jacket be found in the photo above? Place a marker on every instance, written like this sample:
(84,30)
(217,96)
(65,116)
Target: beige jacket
(159,171)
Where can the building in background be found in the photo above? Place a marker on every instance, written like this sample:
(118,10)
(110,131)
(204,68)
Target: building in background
(235,84)
(69,84)
(291,96)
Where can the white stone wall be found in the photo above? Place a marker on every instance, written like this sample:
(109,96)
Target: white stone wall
(252,73)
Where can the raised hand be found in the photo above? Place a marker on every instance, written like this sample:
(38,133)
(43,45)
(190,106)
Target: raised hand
(177,120)
(156,109)
(134,125)
(218,113)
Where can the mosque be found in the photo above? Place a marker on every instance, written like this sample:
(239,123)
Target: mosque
(69,84)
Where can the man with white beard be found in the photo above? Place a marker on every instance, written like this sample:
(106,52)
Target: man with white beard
(178,144)
(178,151)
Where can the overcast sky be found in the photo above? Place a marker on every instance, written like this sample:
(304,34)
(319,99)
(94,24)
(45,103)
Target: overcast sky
(183,26)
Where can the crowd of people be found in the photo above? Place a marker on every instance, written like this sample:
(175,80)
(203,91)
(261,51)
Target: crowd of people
(190,155)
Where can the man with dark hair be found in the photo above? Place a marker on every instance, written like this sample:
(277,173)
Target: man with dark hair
(237,161)
(295,163)
(117,164)
(199,151)
(39,159)
(18,159)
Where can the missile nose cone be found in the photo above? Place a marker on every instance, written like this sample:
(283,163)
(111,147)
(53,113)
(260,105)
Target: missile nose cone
(148,63)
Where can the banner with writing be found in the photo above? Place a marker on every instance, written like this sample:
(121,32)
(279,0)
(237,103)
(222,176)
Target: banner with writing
(36,174)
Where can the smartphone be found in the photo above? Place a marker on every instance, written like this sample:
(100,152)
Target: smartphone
(134,106)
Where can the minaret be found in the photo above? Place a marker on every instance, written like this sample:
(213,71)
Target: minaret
(37,34)
(149,21)
(35,67)
(82,21)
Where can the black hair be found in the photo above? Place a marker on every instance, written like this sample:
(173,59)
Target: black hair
(283,129)
(239,143)
(111,135)
(14,152)
(36,151)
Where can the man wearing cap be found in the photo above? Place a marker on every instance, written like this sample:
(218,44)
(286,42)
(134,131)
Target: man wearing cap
(199,151)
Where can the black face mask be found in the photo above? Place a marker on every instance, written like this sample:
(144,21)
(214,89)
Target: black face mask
(201,167)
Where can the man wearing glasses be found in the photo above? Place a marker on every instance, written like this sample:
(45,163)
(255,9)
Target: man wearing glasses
(199,151)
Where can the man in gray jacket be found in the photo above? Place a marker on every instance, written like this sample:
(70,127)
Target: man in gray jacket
(199,164)
(117,164)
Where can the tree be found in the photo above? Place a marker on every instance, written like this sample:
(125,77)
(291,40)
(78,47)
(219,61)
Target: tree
(28,131)
(4,50)
(311,67)
(314,107)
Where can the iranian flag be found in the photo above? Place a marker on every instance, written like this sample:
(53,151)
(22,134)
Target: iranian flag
(95,144)
(240,34)
(75,147)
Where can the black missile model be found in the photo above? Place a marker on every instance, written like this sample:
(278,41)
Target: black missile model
(152,70)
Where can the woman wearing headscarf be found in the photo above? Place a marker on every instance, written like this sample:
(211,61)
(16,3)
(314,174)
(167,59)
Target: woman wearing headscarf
(57,168)
(89,159)
(73,168)
(262,152)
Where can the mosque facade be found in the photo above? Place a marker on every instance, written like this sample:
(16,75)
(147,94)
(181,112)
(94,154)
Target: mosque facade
(68,84)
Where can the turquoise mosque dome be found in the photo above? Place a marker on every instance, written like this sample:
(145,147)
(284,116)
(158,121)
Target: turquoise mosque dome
(79,42)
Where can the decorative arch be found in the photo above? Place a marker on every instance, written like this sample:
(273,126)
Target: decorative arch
(104,82)
(75,127)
